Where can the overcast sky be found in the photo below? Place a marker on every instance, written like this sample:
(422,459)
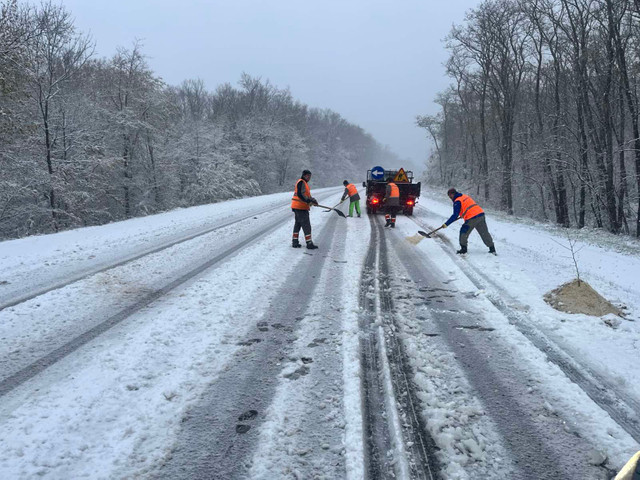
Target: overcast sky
(376,63)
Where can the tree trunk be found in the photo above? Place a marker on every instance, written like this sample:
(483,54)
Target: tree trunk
(47,145)
(484,162)
(562,211)
(152,159)
(632,105)
(607,136)
(622,187)
(127,176)
(507,160)
(584,162)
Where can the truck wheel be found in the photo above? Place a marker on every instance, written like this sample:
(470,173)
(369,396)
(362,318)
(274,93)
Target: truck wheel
(408,212)
(369,210)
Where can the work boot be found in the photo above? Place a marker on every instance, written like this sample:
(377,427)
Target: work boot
(311,246)
(388,223)
(358,215)
(393,224)
(295,244)
(462,250)
(492,249)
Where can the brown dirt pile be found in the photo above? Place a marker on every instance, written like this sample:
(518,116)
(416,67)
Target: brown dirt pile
(574,297)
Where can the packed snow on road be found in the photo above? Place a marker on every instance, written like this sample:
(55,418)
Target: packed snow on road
(198,344)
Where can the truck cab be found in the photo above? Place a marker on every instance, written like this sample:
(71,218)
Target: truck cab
(376,188)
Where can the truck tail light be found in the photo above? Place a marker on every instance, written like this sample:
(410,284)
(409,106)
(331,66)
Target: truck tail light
(410,202)
(375,200)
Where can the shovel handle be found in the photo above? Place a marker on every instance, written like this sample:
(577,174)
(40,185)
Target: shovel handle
(329,208)
(428,235)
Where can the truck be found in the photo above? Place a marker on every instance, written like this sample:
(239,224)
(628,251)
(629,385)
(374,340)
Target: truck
(376,186)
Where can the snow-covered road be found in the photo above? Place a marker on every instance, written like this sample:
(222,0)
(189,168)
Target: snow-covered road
(198,341)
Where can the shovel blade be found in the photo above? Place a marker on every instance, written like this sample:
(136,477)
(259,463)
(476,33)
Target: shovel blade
(328,209)
(424,234)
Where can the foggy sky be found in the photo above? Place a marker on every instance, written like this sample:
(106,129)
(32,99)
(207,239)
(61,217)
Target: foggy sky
(376,63)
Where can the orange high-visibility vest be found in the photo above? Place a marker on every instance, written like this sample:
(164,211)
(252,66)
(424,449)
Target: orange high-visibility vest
(468,208)
(297,202)
(352,189)
(395,191)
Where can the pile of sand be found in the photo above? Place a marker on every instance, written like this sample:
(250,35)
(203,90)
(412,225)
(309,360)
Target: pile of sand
(578,297)
(415,239)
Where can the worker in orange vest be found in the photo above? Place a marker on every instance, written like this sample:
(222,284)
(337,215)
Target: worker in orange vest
(351,191)
(392,204)
(466,208)
(300,205)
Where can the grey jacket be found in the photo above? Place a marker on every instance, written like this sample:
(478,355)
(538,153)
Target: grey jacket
(391,202)
(354,198)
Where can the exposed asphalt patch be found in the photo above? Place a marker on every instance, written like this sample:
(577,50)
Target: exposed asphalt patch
(243,428)
(248,343)
(248,415)
(474,327)
(316,342)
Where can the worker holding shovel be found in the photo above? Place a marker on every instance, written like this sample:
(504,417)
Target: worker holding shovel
(466,208)
(351,191)
(300,204)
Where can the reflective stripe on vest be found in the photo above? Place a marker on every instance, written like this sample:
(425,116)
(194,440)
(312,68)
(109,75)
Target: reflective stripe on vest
(352,189)
(395,191)
(468,208)
(297,202)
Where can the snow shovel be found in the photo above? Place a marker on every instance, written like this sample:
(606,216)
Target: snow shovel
(428,235)
(335,206)
(330,208)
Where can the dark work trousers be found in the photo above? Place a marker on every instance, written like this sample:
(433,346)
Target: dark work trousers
(478,223)
(302,221)
(392,210)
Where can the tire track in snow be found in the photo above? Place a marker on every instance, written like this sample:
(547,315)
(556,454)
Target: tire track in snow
(378,438)
(30,371)
(210,444)
(87,273)
(24,297)
(535,438)
(386,380)
(423,460)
